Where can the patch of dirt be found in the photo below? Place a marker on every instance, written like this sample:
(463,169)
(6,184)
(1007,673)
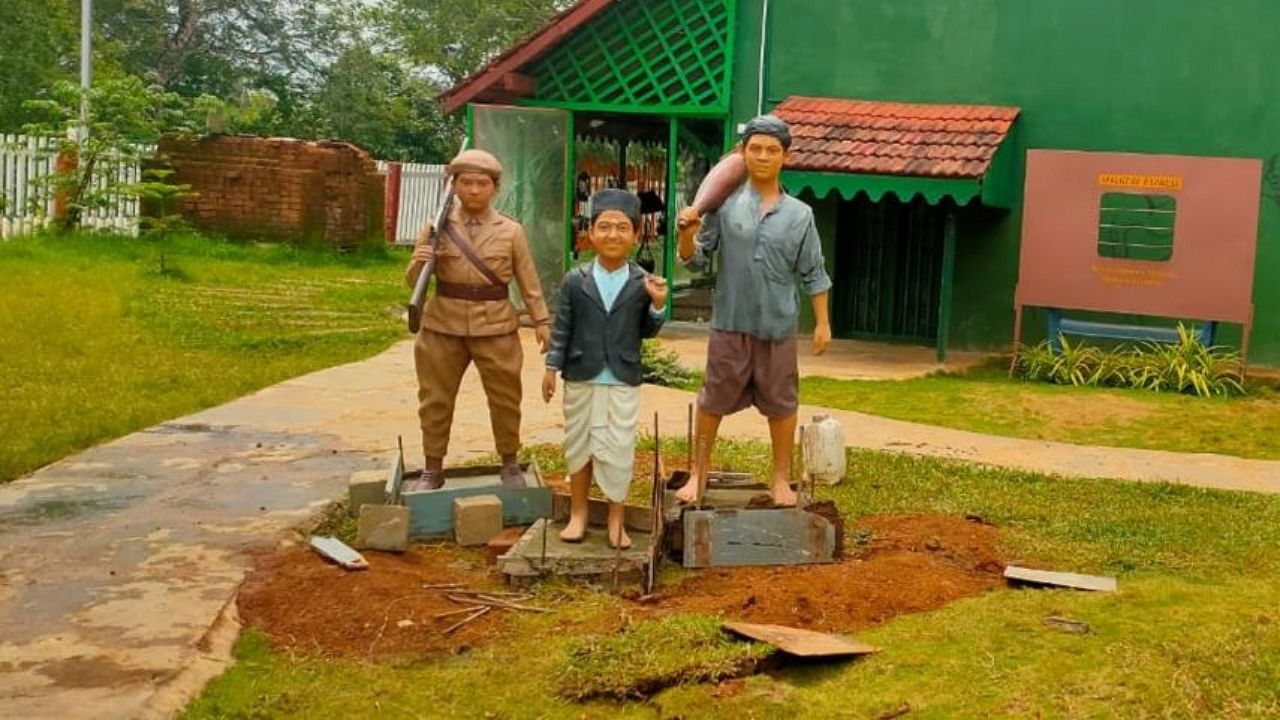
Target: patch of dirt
(1075,411)
(307,604)
(909,563)
(95,672)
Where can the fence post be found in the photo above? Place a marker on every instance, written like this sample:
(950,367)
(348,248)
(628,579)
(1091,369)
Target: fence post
(67,162)
(391,208)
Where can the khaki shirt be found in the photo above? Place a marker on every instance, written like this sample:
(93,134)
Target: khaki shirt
(501,243)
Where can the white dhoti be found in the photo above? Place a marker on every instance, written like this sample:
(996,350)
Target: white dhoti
(600,428)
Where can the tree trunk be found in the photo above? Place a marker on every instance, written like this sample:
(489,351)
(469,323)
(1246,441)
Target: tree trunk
(178,45)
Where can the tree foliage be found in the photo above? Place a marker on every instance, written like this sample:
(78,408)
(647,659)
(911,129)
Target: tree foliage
(456,37)
(368,72)
(37,49)
(124,116)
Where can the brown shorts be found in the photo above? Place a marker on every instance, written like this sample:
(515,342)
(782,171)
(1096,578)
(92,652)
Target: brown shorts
(745,370)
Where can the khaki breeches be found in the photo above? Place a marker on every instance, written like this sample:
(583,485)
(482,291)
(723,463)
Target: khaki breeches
(441,361)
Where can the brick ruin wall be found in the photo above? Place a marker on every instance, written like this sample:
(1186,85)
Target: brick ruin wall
(294,191)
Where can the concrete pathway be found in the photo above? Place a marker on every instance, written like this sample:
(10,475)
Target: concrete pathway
(844,360)
(119,566)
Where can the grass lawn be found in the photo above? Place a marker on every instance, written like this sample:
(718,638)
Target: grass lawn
(1193,632)
(96,343)
(985,400)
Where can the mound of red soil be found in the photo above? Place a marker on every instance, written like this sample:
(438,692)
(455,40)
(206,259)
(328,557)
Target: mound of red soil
(898,564)
(306,604)
(911,563)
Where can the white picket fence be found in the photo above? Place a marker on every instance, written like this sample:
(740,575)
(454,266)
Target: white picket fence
(420,189)
(25,162)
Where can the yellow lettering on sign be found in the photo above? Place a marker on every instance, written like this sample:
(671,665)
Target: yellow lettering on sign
(1140,182)
(1131,276)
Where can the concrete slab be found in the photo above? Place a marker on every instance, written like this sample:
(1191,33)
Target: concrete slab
(591,559)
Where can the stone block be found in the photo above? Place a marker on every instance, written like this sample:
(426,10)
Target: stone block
(366,487)
(383,527)
(476,519)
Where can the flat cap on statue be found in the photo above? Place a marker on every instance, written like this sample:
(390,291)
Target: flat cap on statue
(610,199)
(770,125)
(476,161)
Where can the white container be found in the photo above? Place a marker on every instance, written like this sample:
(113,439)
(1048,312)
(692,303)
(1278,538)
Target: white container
(823,448)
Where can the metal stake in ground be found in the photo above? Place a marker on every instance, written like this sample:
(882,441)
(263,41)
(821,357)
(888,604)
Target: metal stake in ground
(797,458)
(656,501)
(688,446)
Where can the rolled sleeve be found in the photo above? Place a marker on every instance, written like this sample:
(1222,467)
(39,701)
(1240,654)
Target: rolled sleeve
(810,264)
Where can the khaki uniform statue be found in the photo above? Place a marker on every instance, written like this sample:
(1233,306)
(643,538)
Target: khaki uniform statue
(470,317)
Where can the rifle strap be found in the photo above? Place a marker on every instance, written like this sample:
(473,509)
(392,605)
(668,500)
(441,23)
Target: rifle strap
(469,253)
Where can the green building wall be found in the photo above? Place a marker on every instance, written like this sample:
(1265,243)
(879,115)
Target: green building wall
(1192,77)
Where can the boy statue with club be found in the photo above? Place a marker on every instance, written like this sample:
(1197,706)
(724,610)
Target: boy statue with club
(765,238)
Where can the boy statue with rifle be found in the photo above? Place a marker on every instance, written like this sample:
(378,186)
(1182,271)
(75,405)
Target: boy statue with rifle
(471,318)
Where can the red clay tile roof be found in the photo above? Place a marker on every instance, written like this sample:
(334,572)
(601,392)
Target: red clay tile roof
(889,138)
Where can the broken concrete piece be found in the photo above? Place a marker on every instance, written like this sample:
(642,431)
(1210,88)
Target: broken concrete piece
(366,487)
(383,527)
(1048,578)
(502,542)
(476,519)
(801,643)
(339,552)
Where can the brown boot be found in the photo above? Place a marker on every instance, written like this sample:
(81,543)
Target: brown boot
(432,473)
(511,474)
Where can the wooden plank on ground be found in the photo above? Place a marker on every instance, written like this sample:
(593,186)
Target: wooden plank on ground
(395,477)
(339,552)
(801,643)
(1049,578)
(766,536)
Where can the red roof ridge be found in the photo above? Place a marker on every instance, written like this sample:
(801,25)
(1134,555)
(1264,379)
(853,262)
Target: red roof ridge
(528,49)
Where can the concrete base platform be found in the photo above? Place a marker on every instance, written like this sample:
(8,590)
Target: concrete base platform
(590,560)
(431,511)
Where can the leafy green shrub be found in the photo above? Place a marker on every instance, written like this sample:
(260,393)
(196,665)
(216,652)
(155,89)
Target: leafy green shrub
(661,366)
(1185,366)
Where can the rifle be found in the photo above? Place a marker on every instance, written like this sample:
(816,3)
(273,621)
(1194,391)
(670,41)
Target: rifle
(419,297)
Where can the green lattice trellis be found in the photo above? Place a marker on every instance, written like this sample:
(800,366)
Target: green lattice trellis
(643,53)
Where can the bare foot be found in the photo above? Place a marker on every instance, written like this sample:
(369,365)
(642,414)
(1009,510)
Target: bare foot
(615,541)
(783,495)
(574,530)
(688,493)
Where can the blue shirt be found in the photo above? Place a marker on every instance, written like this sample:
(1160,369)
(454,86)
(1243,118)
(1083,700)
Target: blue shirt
(760,257)
(610,283)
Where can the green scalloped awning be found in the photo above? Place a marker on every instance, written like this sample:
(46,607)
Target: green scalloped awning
(849,185)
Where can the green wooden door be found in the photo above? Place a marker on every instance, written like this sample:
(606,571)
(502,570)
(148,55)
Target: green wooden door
(888,269)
